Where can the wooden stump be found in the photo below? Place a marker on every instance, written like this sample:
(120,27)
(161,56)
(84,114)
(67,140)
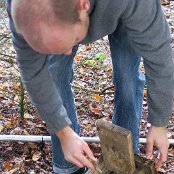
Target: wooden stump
(143,166)
(117,152)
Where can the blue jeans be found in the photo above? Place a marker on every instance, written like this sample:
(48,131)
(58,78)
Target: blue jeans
(61,68)
(128,80)
(129,83)
(128,97)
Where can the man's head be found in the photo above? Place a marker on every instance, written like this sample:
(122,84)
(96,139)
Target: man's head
(51,26)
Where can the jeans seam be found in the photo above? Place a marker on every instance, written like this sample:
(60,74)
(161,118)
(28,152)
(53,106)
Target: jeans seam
(62,167)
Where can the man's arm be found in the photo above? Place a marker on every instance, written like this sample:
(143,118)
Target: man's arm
(37,79)
(149,31)
(45,97)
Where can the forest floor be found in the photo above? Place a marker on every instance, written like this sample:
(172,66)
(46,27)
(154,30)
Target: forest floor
(94,96)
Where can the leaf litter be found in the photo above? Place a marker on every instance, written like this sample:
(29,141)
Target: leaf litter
(94,96)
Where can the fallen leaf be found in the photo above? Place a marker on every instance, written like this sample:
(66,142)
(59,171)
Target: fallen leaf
(32,172)
(1,127)
(36,156)
(16,87)
(94,104)
(78,57)
(86,78)
(95,110)
(7,124)
(88,47)
(82,70)
(26,115)
(94,107)
(165,2)
(97,97)
(84,122)
(89,62)
(100,56)
(7,166)
(1,117)
(14,122)
(26,132)
(145,92)
(17,98)
(13,171)
(88,127)
(1,96)
(32,145)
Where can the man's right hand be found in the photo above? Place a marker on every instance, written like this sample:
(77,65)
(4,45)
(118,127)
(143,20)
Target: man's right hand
(75,149)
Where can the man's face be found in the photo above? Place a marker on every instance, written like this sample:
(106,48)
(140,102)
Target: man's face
(61,38)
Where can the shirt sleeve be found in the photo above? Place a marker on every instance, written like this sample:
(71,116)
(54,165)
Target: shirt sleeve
(39,84)
(150,34)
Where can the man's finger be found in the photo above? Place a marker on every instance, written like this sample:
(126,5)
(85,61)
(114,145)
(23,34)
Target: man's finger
(149,149)
(162,159)
(89,153)
(84,160)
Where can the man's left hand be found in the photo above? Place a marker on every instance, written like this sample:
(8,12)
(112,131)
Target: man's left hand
(157,136)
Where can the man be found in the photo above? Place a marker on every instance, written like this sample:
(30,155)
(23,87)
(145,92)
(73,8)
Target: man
(46,40)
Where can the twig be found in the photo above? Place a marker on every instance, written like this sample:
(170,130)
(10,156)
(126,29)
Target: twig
(85,89)
(93,91)
(6,55)
(4,39)
(10,61)
(110,87)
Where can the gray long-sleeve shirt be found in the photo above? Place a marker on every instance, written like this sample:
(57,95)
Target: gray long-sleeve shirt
(149,32)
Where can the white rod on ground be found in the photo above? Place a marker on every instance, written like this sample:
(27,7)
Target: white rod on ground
(38,138)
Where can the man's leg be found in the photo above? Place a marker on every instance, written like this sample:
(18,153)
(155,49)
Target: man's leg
(129,84)
(61,68)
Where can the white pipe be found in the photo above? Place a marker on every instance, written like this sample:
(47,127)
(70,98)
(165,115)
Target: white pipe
(34,138)
(38,138)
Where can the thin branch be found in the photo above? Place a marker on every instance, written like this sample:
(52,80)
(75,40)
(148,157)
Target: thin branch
(4,39)
(85,89)
(10,61)
(110,87)
(93,91)
(6,55)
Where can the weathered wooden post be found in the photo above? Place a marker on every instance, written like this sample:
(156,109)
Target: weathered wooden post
(117,152)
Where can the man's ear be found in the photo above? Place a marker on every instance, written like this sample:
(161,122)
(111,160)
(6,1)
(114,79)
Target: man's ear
(83,5)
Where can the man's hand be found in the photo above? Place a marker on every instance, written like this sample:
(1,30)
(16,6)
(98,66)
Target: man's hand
(157,136)
(75,149)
